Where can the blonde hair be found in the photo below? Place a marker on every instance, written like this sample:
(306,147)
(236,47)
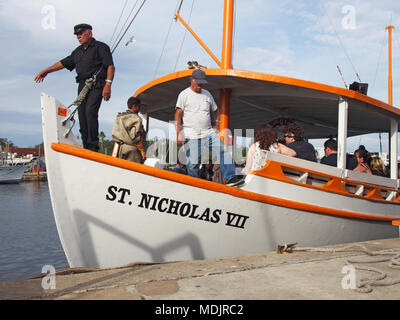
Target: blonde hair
(377,164)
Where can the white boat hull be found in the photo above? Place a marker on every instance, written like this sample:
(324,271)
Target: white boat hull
(109,215)
(12,174)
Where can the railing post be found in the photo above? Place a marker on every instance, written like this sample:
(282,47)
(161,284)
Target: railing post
(342,133)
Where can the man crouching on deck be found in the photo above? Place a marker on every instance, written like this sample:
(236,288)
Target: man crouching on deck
(128,132)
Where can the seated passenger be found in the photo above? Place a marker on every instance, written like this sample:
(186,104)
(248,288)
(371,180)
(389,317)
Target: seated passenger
(265,141)
(330,157)
(361,158)
(378,168)
(294,140)
(368,155)
(129,134)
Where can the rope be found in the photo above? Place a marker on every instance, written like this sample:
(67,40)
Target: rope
(364,285)
(340,40)
(78,270)
(379,60)
(89,83)
(184,36)
(126,21)
(341,74)
(119,19)
(165,43)
(331,51)
(127,28)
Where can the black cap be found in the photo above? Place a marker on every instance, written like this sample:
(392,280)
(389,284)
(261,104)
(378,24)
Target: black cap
(82,27)
(199,76)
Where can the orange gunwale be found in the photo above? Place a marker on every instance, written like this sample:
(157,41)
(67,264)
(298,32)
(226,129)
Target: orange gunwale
(276,79)
(212,186)
(273,170)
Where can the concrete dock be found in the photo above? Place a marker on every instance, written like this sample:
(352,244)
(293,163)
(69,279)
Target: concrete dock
(30,176)
(314,275)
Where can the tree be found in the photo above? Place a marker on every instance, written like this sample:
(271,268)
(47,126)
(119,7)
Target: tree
(102,136)
(4,142)
(108,146)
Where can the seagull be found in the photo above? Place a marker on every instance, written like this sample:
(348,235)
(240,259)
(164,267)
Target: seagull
(195,65)
(132,39)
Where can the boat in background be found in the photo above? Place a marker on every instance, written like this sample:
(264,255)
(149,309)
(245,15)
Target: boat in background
(12,174)
(12,171)
(110,212)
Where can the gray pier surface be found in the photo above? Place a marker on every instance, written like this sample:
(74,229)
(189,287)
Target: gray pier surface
(320,274)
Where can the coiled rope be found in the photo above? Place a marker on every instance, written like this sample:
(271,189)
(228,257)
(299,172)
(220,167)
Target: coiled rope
(364,285)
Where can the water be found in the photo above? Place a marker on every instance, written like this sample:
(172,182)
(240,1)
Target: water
(28,233)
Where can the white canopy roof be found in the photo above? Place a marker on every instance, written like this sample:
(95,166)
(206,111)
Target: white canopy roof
(258,98)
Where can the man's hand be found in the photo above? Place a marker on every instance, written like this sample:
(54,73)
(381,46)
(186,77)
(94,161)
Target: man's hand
(180,139)
(40,76)
(107,91)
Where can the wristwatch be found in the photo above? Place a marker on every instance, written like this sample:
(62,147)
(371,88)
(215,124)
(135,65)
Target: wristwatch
(109,81)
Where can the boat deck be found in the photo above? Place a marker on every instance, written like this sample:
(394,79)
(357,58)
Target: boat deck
(318,275)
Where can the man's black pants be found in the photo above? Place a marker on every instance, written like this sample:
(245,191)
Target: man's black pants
(88,113)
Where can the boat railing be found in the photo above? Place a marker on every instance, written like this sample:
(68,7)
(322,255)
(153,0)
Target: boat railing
(371,179)
(332,179)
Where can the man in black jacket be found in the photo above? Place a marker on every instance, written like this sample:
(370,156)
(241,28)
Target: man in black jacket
(330,157)
(294,139)
(88,59)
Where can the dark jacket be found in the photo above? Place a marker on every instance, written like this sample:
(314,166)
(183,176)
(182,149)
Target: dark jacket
(304,150)
(331,160)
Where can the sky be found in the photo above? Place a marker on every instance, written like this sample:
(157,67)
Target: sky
(304,39)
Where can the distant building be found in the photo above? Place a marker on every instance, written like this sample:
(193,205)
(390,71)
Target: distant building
(23,152)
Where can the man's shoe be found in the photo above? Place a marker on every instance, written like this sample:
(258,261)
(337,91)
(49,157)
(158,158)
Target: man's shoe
(235,180)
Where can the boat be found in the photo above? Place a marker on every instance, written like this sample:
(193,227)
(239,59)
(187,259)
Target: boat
(12,170)
(110,212)
(11,174)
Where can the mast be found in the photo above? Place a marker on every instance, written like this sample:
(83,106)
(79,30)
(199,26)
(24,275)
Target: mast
(394,127)
(390,81)
(227,34)
(225,94)
(225,64)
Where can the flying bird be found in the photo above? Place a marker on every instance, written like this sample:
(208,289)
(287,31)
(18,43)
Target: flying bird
(132,39)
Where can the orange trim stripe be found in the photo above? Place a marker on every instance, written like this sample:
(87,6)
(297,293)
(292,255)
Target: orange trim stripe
(276,79)
(212,186)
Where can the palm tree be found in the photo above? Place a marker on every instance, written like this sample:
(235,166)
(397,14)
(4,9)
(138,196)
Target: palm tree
(102,135)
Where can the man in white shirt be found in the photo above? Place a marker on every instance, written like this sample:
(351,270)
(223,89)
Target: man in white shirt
(194,107)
